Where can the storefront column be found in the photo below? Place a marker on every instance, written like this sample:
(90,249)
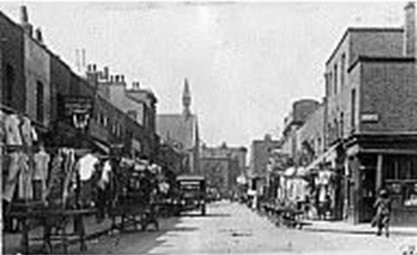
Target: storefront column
(379,162)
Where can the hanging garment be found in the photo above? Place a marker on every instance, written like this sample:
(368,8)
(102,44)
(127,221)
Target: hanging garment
(86,166)
(40,175)
(70,178)
(105,178)
(25,179)
(2,127)
(13,136)
(14,168)
(26,131)
(54,186)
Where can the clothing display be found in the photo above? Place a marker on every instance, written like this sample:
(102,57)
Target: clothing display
(25,179)
(13,136)
(69,170)
(54,185)
(26,131)
(105,175)
(2,127)
(40,174)
(15,162)
(86,166)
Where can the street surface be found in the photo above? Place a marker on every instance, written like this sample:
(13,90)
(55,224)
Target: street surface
(231,228)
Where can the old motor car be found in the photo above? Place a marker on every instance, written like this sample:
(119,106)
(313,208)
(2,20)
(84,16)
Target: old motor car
(192,192)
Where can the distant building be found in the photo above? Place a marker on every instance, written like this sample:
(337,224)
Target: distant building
(260,153)
(223,163)
(181,131)
(137,103)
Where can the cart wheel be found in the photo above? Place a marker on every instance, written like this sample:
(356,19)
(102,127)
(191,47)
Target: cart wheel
(47,248)
(83,247)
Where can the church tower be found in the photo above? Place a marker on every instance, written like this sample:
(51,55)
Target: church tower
(186,99)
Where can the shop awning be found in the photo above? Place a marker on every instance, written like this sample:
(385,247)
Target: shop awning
(102,146)
(329,156)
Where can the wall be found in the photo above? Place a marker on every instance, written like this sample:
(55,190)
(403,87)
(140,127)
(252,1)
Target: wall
(389,89)
(11,42)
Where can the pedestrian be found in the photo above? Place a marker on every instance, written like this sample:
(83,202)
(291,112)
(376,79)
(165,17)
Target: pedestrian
(383,211)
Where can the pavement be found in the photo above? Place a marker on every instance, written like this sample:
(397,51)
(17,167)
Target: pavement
(231,228)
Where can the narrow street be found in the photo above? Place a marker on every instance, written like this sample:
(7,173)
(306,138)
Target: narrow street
(235,229)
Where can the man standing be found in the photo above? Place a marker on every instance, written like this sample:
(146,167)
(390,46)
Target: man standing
(383,212)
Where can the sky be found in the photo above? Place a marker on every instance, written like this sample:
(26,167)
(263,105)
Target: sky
(246,62)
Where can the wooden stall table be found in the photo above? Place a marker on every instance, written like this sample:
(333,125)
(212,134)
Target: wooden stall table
(45,217)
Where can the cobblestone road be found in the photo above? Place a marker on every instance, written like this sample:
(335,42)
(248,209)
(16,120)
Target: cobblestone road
(231,228)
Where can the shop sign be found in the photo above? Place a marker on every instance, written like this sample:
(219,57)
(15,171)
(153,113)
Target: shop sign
(77,110)
(77,104)
(369,117)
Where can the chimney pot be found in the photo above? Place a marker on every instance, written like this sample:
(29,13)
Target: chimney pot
(88,68)
(94,67)
(106,72)
(111,78)
(38,34)
(122,77)
(409,47)
(24,18)
(117,78)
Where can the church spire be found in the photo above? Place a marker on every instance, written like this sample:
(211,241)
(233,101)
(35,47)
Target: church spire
(186,98)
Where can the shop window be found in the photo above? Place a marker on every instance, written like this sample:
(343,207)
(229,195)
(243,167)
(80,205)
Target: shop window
(342,70)
(353,109)
(335,79)
(39,101)
(410,194)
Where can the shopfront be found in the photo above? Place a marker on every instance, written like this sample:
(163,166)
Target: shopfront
(377,165)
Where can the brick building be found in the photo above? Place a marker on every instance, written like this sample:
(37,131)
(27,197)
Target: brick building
(37,83)
(259,155)
(369,137)
(231,160)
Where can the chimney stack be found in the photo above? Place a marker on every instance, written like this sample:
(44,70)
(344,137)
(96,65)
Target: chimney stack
(106,72)
(38,35)
(24,20)
(409,47)
(122,78)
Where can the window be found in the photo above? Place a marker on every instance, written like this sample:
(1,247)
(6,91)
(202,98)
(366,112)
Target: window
(353,109)
(342,70)
(132,114)
(39,101)
(335,79)
(105,121)
(341,124)
(329,83)
(10,80)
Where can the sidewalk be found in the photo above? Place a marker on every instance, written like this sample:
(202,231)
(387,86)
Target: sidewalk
(400,237)
(11,242)
(364,228)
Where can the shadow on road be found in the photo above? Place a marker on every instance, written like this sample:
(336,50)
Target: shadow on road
(182,229)
(357,232)
(207,215)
